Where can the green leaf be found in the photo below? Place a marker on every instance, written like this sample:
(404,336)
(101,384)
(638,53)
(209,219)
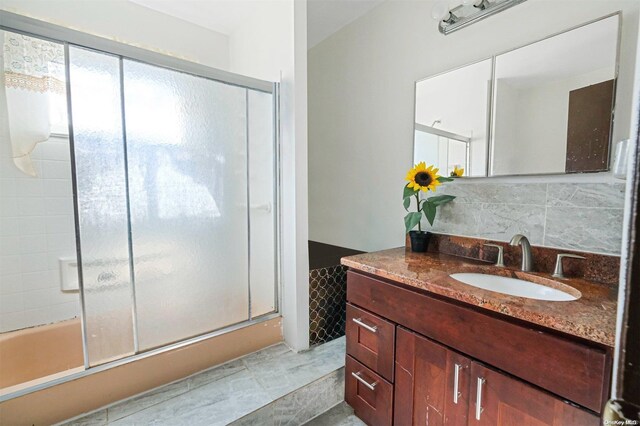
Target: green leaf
(406,202)
(445,179)
(429,210)
(439,200)
(411,220)
(408,192)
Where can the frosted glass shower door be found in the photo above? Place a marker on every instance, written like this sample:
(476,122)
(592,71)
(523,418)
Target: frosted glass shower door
(100,175)
(262,202)
(187,156)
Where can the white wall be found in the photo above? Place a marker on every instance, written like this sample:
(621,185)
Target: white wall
(537,118)
(132,24)
(273,46)
(361,96)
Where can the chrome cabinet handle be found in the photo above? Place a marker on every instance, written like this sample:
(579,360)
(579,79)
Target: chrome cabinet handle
(372,329)
(456,378)
(371,386)
(479,408)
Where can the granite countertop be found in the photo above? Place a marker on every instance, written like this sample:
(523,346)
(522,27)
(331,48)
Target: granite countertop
(591,317)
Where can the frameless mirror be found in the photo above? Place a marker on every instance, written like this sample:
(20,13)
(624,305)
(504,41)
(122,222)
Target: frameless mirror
(451,119)
(553,103)
(547,109)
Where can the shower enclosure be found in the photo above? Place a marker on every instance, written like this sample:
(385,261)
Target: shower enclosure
(443,149)
(174,168)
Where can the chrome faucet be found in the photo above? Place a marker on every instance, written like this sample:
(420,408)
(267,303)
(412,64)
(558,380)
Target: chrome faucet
(522,241)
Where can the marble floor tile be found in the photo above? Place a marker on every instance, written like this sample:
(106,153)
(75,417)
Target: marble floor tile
(215,373)
(289,371)
(339,415)
(146,400)
(266,354)
(98,418)
(260,417)
(300,405)
(215,403)
(271,386)
(305,403)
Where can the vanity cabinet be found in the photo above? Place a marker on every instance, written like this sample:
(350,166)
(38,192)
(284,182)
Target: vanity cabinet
(435,385)
(440,362)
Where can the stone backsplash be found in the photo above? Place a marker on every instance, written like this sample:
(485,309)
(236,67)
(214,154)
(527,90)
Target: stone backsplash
(575,216)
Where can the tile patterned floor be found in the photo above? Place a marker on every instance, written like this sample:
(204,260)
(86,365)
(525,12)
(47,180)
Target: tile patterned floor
(340,415)
(234,390)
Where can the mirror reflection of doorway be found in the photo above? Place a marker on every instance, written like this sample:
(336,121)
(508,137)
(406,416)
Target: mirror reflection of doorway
(445,150)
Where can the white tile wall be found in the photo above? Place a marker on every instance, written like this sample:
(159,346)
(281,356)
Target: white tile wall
(36,228)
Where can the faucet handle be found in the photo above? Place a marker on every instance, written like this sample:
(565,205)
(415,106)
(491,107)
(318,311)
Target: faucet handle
(500,260)
(559,273)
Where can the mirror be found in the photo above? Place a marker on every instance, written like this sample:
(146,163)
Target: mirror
(547,109)
(452,111)
(553,102)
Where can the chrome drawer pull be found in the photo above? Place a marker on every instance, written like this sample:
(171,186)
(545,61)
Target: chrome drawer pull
(371,386)
(479,408)
(456,378)
(372,329)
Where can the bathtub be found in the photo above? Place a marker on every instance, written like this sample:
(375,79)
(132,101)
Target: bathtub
(36,354)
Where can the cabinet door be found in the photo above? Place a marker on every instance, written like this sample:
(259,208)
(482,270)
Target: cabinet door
(431,383)
(497,399)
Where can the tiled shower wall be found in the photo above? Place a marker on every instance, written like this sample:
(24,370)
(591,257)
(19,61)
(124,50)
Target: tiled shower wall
(36,229)
(580,216)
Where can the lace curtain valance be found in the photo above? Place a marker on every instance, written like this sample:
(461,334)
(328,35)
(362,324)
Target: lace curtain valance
(33,70)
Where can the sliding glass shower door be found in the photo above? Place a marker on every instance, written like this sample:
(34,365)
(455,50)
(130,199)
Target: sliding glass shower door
(187,155)
(176,194)
(101,205)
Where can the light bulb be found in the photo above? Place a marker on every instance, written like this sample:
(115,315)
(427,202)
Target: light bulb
(474,3)
(440,11)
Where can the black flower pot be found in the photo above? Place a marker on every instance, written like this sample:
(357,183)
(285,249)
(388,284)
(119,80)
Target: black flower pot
(419,241)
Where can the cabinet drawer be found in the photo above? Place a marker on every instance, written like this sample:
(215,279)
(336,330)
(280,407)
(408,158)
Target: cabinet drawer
(370,395)
(576,371)
(370,340)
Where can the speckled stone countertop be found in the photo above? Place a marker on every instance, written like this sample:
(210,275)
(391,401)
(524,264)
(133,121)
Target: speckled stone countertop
(592,316)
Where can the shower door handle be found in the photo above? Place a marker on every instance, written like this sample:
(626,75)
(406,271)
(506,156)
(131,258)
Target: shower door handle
(265,207)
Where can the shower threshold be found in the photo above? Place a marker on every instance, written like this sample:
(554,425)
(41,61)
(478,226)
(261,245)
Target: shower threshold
(272,386)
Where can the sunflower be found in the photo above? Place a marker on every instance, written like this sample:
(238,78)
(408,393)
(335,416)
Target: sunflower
(423,178)
(457,172)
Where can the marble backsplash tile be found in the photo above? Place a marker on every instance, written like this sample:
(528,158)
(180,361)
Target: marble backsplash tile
(578,216)
(590,195)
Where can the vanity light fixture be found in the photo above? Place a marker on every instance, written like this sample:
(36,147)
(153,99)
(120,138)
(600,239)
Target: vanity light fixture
(469,12)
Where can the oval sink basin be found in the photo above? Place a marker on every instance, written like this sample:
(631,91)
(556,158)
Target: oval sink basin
(514,287)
